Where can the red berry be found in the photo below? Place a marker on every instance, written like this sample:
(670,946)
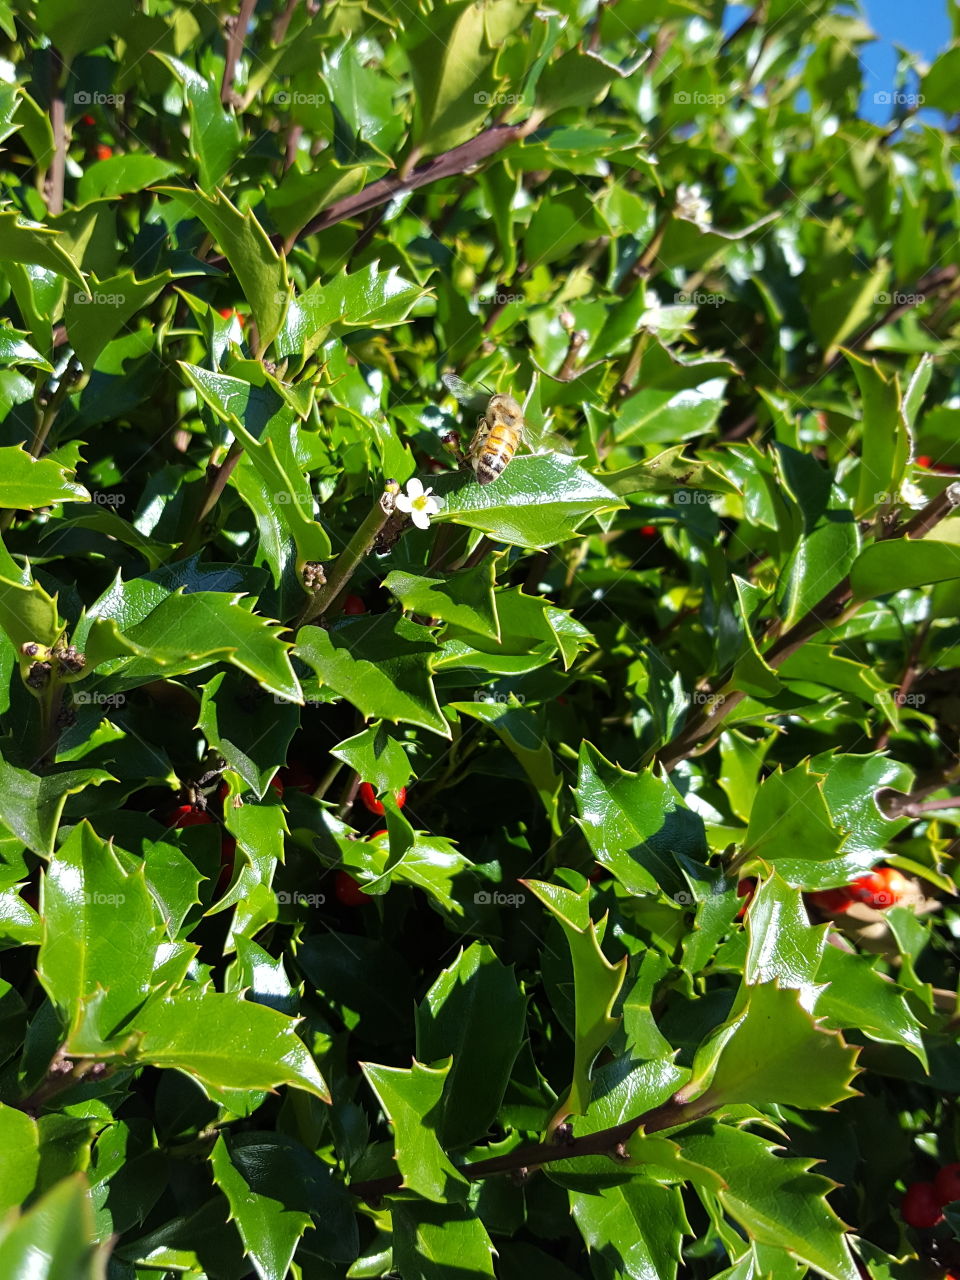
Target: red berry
(227,312)
(187,815)
(353,604)
(745,889)
(277,785)
(348,891)
(833,901)
(103,152)
(920,1207)
(87,120)
(368,798)
(922,460)
(649,531)
(377,834)
(947,1184)
(880,888)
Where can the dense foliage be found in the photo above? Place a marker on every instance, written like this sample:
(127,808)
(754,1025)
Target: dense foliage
(529,879)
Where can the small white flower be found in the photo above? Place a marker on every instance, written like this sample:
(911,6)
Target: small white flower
(419,502)
(692,206)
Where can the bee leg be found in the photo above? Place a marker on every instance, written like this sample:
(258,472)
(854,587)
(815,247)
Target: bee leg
(475,447)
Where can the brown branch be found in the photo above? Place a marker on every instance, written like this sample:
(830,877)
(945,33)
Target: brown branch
(237,35)
(457,160)
(58,123)
(838,601)
(910,672)
(606,1142)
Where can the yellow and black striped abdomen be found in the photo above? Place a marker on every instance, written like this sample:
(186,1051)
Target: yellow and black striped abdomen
(495,452)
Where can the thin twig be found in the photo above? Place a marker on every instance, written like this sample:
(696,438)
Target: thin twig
(58,123)
(235,40)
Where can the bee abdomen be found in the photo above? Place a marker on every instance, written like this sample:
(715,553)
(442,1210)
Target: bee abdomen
(498,448)
(490,466)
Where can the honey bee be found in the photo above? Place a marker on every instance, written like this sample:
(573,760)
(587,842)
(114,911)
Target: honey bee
(501,428)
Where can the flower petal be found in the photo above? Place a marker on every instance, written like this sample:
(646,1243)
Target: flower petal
(403,503)
(420,518)
(414,487)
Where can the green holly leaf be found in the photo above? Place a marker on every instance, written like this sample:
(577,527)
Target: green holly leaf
(55,1238)
(175,633)
(537,502)
(640,1223)
(776,1201)
(382,665)
(474,1012)
(351,300)
(853,993)
(437,1242)
(225,1042)
(790,813)
(31,805)
(411,1101)
(275,1187)
(378,758)
(27,483)
(93,319)
(19,1157)
(596,985)
(898,563)
(100,933)
(215,138)
(465,598)
(36,246)
(770,1049)
(251,731)
(636,825)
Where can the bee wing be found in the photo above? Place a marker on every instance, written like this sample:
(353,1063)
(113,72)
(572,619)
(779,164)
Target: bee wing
(473,397)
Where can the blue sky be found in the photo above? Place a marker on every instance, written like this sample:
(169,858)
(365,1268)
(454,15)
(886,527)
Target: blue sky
(922,26)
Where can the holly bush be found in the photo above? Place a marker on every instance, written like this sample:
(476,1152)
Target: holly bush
(410,876)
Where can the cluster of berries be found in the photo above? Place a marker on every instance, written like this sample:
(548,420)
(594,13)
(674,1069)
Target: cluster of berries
(880,888)
(297,778)
(922,1205)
